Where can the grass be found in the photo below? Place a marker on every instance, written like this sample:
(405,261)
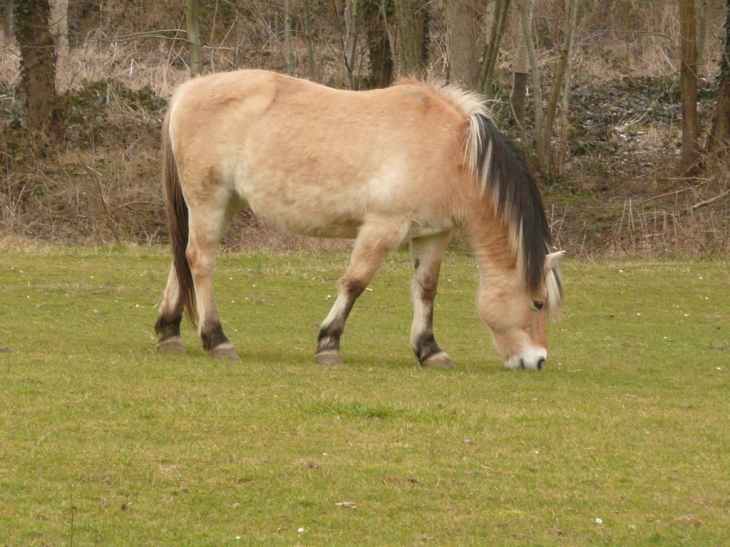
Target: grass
(105,442)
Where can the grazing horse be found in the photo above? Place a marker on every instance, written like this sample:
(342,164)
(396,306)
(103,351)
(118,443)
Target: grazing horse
(413,162)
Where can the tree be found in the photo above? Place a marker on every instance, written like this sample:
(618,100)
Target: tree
(688,73)
(59,30)
(311,64)
(8,20)
(37,59)
(545,115)
(375,14)
(461,42)
(412,36)
(522,63)
(491,49)
(193,34)
(720,132)
(288,44)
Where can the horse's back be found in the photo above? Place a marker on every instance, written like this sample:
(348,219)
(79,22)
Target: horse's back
(315,160)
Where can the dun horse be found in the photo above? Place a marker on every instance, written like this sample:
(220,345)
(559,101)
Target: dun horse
(413,162)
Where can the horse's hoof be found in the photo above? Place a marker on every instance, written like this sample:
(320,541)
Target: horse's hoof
(439,360)
(224,351)
(172,345)
(329,357)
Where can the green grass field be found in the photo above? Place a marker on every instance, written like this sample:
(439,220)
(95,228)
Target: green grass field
(623,439)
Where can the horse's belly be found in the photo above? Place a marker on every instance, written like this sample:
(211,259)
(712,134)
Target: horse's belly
(306,213)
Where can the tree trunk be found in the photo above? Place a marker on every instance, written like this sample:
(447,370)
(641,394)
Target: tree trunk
(521,66)
(379,52)
(37,59)
(491,50)
(688,70)
(288,43)
(720,134)
(461,42)
(59,30)
(351,32)
(311,64)
(193,34)
(8,20)
(562,71)
(541,147)
(701,33)
(412,36)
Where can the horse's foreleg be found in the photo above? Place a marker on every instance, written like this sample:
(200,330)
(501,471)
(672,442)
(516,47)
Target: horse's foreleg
(169,317)
(374,242)
(426,255)
(205,235)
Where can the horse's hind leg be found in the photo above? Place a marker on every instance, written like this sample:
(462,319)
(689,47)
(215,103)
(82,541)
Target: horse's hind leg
(170,317)
(374,242)
(426,255)
(207,225)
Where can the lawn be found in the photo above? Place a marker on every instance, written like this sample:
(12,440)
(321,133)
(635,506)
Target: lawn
(623,439)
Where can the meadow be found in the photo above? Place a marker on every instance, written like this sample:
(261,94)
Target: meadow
(623,439)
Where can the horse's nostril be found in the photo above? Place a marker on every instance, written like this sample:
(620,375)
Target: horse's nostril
(522,363)
(540,363)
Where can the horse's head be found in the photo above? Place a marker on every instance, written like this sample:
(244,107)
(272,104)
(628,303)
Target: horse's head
(518,319)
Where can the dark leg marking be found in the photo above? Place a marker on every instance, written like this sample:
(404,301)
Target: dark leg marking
(168,329)
(328,339)
(212,335)
(216,342)
(427,351)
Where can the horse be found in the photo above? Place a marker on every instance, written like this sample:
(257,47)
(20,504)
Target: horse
(411,163)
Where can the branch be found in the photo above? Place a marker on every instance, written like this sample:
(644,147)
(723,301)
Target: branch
(711,200)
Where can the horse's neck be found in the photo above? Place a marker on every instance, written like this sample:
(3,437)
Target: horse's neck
(492,250)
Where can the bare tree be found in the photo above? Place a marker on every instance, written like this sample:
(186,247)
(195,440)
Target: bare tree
(375,15)
(37,59)
(311,62)
(288,43)
(412,35)
(8,20)
(461,42)
(541,147)
(561,80)
(193,34)
(59,27)
(352,30)
(521,63)
(688,70)
(720,132)
(491,49)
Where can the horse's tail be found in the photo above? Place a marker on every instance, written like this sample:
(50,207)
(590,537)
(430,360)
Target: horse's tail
(177,223)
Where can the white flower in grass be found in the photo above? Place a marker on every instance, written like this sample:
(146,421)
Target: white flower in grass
(599,521)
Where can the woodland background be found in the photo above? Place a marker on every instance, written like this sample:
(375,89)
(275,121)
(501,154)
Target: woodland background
(622,106)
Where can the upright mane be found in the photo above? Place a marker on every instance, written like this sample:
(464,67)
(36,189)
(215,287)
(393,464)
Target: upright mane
(499,167)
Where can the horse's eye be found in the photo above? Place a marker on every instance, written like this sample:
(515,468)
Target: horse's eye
(537,305)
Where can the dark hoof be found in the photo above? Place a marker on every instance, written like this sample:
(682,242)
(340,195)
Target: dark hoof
(329,357)
(172,345)
(224,351)
(439,360)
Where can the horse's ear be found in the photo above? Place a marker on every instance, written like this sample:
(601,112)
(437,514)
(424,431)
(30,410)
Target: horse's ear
(552,259)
